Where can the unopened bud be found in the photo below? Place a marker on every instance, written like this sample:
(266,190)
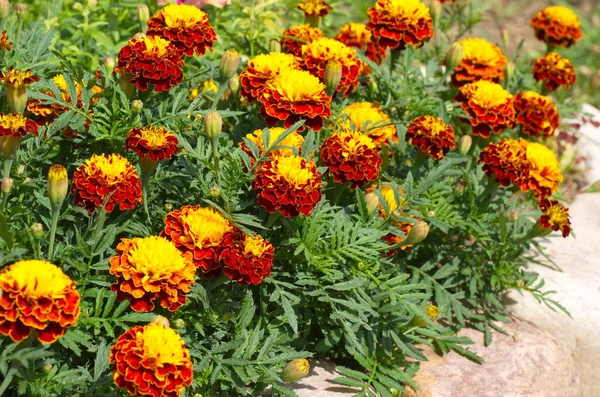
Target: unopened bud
(7,185)
(136,106)
(229,64)
(92,3)
(3,9)
(58,185)
(332,76)
(213,123)
(432,312)
(20,8)
(460,185)
(179,323)
(505,37)
(454,56)
(234,84)
(513,216)
(464,144)
(161,320)
(418,233)
(37,229)
(436,10)
(168,207)
(109,64)
(372,201)
(295,370)
(509,70)
(214,192)
(274,45)
(143,13)
(77,6)
(20,169)
(372,86)
(47,368)
(520,283)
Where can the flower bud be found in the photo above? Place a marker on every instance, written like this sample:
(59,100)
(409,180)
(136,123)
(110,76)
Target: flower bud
(37,229)
(179,323)
(168,207)
(20,169)
(436,10)
(295,370)
(3,9)
(234,84)
(47,368)
(213,123)
(372,202)
(214,192)
(509,70)
(20,8)
(454,56)
(136,106)
(109,64)
(229,64)
(418,233)
(332,76)
(432,312)
(460,185)
(505,37)
(7,185)
(464,144)
(373,87)
(58,185)
(274,45)
(143,13)
(520,283)
(161,320)
(92,3)
(77,6)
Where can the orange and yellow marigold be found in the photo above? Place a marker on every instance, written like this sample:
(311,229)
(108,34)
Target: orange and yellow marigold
(248,260)
(262,69)
(369,119)
(557,26)
(431,135)
(155,142)
(36,296)
(554,71)
(536,113)
(544,174)
(482,60)
(295,37)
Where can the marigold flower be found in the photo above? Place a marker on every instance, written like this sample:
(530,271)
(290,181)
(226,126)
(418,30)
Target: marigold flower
(292,140)
(106,177)
(154,142)
(4,43)
(396,23)
(555,217)
(248,260)
(351,157)
(36,296)
(295,370)
(288,184)
(262,69)
(151,60)
(432,136)
(149,269)
(536,113)
(557,26)
(368,118)
(16,87)
(295,95)
(481,60)
(358,36)
(317,54)
(15,125)
(554,71)
(489,105)
(202,231)
(507,161)
(544,175)
(151,360)
(295,37)
(186,26)
(313,8)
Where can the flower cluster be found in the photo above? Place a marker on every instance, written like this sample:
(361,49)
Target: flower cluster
(284,147)
(555,217)
(155,142)
(149,269)
(368,118)
(109,178)
(482,60)
(536,113)
(151,360)
(248,260)
(36,296)
(489,105)
(557,26)
(351,157)
(261,70)
(290,185)
(295,37)
(431,135)
(554,71)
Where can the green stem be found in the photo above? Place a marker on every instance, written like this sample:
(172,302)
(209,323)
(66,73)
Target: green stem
(21,19)
(16,364)
(223,86)
(55,213)
(272,218)
(395,57)
(214,144)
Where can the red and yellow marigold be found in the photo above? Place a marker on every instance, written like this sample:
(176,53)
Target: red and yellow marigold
(154,142)
(507,161)
(398,23)
(482,60)
(16,79)
(351,157)
(15,125)
(536,113)
(557,26)
(36,296)
(106,177)
(369,119)
(4,43)
(151,62)
(357,35)
(431,135)
(203,231)
(248,260)
(186,26)
(317,54)
(394,198)
(555,217)
(489,105)
(151,360)
(295,95)
(313,8)
(544,175)
(292,140)
(149,269)
(262,69)
(295,37)
(554,71)
(289,185)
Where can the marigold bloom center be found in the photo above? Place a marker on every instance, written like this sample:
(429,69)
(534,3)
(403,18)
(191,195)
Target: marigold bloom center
(563,16)
(297,85)
(155,257)
(156,45)
(255,246)
(481,51)
(271,64)
(156,137)
(162,344)
(181,15)
(12,121)
(113,167)
(37,279)
(290,168)
(356,142)
(557,214)
(17,78)
(326,48)
(413,8)
(206,224)
(487,94)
